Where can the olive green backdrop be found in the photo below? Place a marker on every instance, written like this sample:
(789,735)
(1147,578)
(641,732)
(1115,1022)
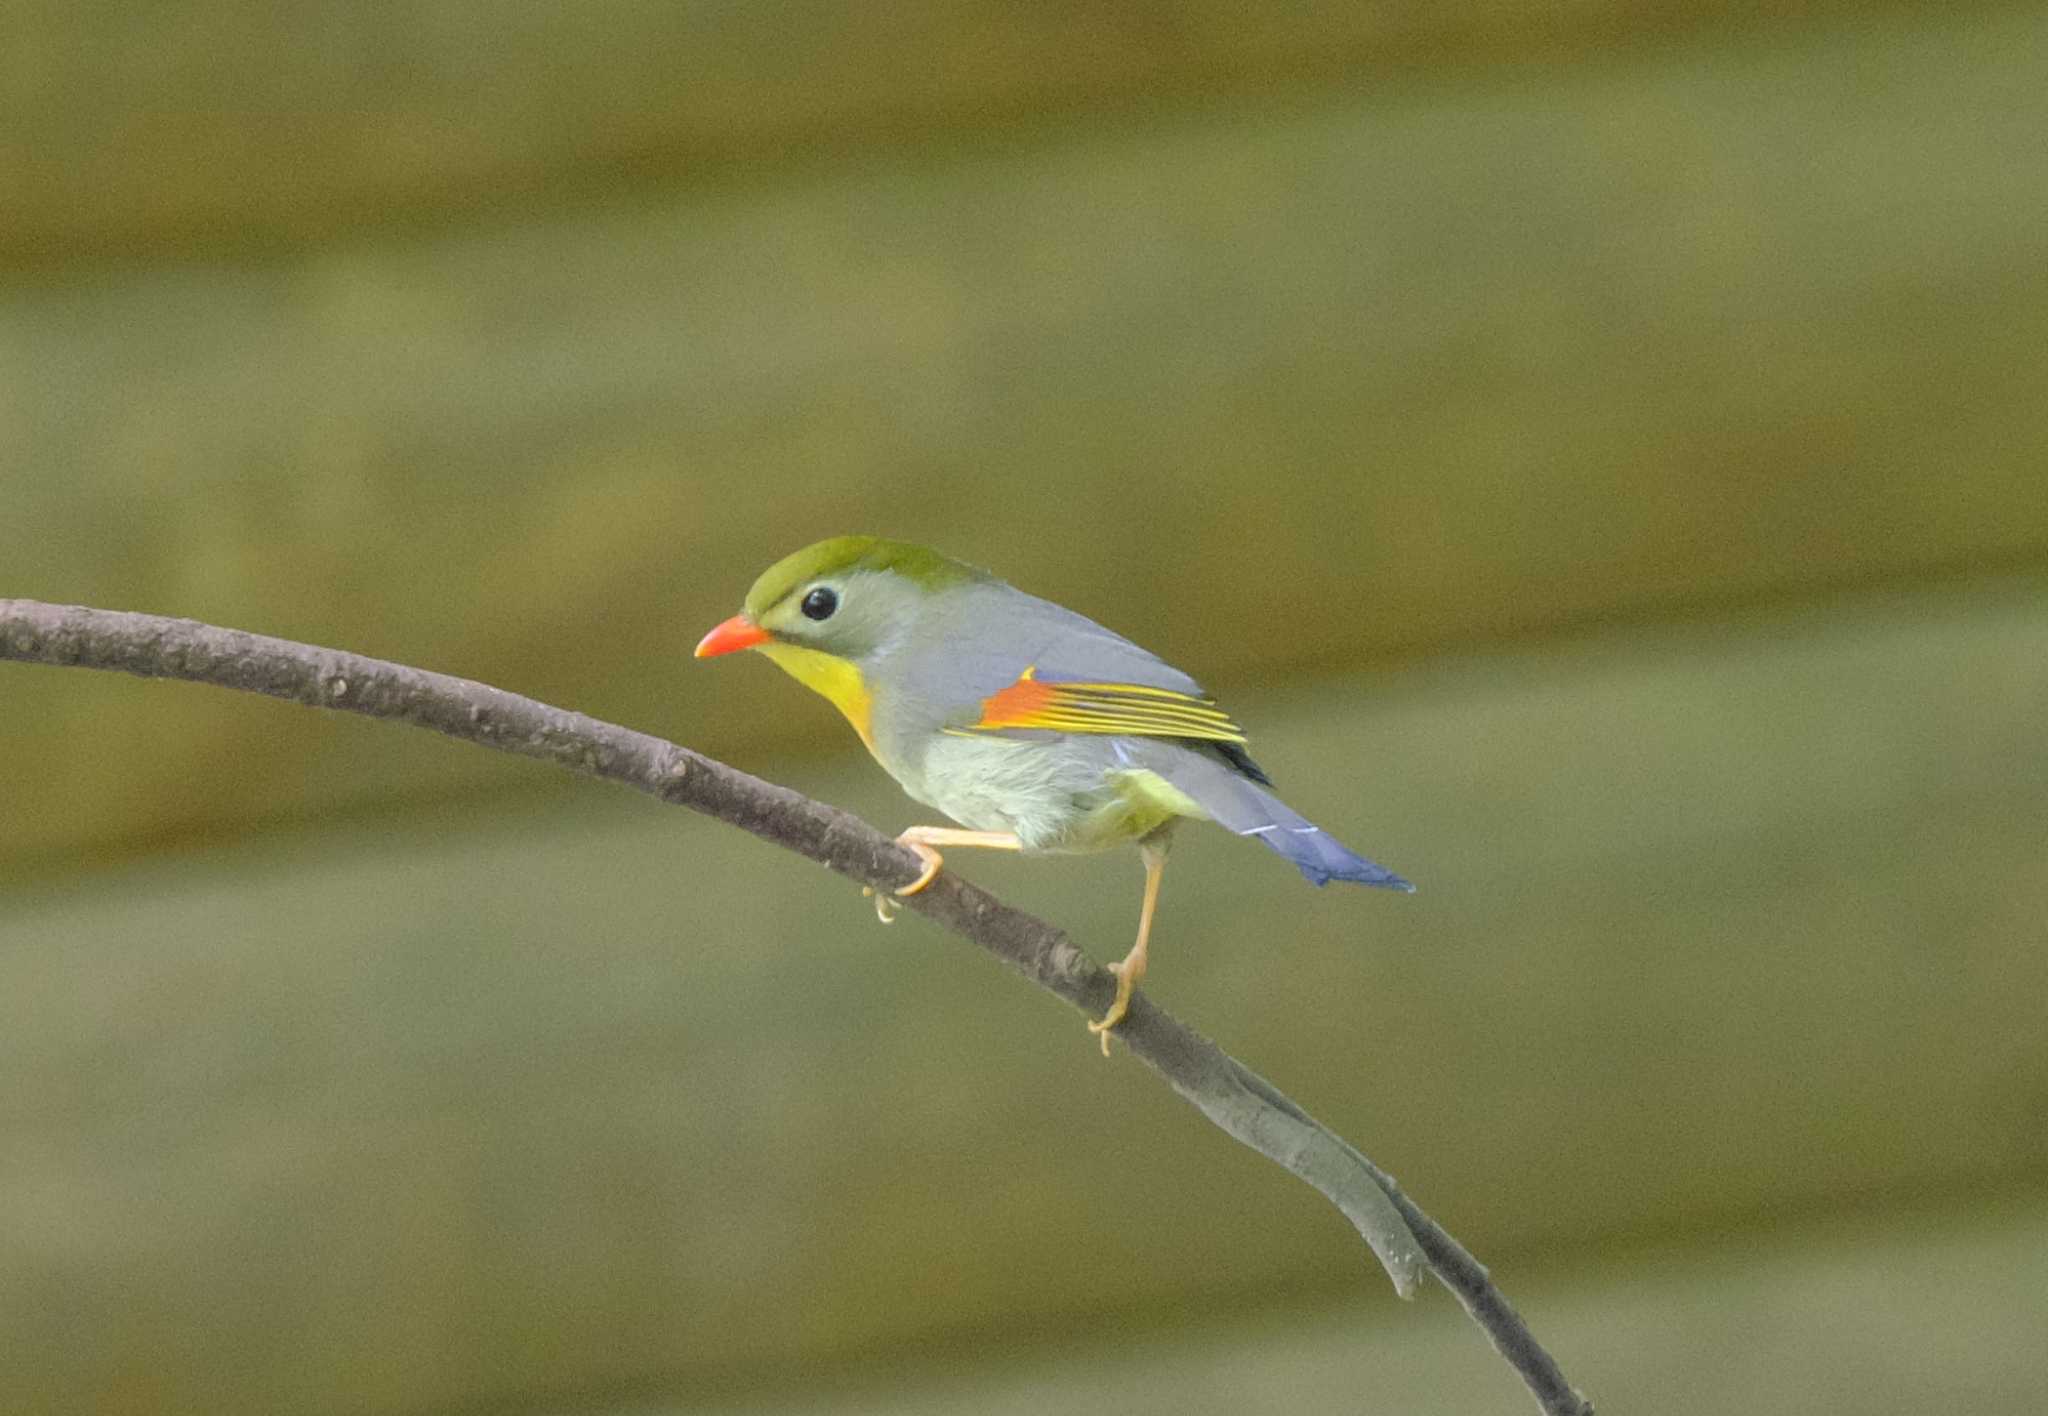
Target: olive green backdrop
(1599,453)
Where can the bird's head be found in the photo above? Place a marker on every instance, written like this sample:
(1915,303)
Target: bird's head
(846,597)
(825,611)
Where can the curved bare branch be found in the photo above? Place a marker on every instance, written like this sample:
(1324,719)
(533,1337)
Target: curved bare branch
(1230,1094)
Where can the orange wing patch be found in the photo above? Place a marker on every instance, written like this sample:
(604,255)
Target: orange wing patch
(1018,705)
(1116,708)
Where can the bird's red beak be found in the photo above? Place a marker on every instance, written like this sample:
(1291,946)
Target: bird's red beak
(739,632)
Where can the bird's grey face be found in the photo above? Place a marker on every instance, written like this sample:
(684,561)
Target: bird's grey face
(852,615)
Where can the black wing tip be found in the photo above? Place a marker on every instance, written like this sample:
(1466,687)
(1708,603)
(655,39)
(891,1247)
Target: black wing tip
(1240,762)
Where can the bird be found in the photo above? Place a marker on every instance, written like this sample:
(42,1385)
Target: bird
(1031,726)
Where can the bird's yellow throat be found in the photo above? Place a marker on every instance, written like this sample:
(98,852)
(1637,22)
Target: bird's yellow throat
(835,679)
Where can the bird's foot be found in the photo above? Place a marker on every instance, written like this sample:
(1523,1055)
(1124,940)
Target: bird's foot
(1124,984)
(886,905)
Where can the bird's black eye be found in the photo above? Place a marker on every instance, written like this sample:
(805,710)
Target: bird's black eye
(820,603)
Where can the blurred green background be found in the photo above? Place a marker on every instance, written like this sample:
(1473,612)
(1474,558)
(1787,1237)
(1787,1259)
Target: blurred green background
(1597,448)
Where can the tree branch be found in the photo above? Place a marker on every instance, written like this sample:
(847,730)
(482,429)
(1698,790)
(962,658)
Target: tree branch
(1226,1091)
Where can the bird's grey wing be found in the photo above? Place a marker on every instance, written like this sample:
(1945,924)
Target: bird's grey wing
(1043,670)
(990,636)
(1071,648)
(987,635)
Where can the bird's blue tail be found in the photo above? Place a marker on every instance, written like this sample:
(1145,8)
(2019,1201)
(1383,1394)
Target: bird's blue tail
(1323,858)
(1235,801)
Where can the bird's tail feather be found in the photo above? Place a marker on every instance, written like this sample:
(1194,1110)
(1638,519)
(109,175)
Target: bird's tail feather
(1241,805)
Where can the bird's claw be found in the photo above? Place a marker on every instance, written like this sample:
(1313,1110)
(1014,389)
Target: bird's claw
(886,906)
(931,858)
(1117,1010)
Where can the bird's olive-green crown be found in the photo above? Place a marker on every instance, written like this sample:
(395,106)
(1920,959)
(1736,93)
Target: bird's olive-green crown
(848,555)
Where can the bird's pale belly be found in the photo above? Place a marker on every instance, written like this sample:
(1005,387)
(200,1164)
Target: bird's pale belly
(1056,794)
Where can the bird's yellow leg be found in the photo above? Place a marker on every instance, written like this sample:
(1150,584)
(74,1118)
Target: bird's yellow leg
(1132,969)
(920,840)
